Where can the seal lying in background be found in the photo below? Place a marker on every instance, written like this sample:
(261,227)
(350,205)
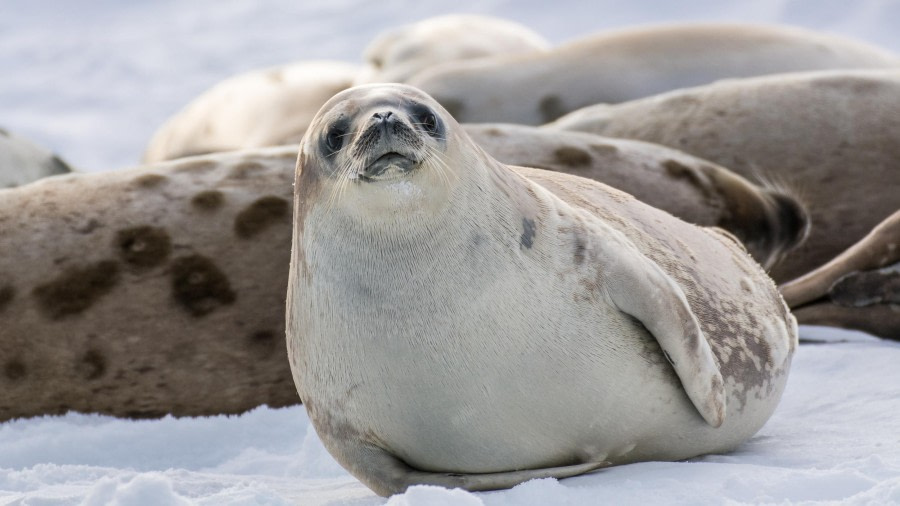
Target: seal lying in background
(454,321)
(767,221)
(833,138)
(146,292)
(858,289)
(22,161)
(402,52)
(260,108)
(622,65)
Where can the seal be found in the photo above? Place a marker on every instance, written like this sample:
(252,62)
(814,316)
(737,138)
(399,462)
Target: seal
(165,282)
(858,289)
(817,134)
(768,221)
(400,53)
(632,63)
(455,321)
(22,161)
(266,107)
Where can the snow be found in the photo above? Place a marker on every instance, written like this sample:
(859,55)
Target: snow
(93,79)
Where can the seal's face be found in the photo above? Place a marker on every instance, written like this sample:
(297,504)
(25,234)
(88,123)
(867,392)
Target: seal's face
(377,146)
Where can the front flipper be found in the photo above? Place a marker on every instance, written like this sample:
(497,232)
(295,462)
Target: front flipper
(640,288)
(386,474)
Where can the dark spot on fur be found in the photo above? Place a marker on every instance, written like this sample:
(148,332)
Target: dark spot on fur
(679,170)
(572,156)
(92,365)
(77,289)
(246,169)
(579,250)
(148,181)
(143,247)
(4,132)
(494,132)
(551,108)
(14,370)
(199,286)
(259,215)
(454,107)
(275,76)
(7,293)
(264,341)
(209,200)
(528,232)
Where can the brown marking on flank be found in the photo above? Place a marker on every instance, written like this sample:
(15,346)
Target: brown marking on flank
(264,341)
(76,289)
(149,181)
(244,170)
(275,76)
(208,200)
(494,132)
(572,157)
(7,294)
(551,108)
(91,365)
(199,286)
(454,107)
(143,247)
(260,215)
(14,369)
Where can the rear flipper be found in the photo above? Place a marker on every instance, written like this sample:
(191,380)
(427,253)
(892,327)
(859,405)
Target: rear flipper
(386,475)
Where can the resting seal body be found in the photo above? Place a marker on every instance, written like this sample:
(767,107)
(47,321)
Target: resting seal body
(22,161)
(266,107)
(399,53)
(831,138)
(150,291)
(627,64)
(858,289)
(455,321)
(768,221)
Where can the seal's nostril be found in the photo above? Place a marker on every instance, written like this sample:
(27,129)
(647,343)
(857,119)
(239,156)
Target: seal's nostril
(383,116)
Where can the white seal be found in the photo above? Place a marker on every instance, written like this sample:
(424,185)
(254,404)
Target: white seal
(402,52)
(266,107)
(455,321)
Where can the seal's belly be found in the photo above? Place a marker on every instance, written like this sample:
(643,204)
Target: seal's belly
(566,398)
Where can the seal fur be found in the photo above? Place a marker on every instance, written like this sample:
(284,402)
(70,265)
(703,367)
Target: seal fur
(632,63)
(454,321)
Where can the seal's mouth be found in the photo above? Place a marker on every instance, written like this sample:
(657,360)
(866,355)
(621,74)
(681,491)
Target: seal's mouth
(387,166)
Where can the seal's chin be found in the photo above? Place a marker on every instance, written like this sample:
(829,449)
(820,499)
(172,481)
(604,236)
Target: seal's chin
(388,166)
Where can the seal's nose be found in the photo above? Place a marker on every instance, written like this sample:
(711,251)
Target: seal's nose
(382,117)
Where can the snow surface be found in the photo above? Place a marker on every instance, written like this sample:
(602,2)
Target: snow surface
(93,79)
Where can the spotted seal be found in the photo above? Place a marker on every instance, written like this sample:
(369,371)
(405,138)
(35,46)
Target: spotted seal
(631,63)
(455,321)
(148,291)
(829,137)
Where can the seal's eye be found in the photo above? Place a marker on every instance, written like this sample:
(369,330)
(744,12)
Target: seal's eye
(426,119)
(334,139)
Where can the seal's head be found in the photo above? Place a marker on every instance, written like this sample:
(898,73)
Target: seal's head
(377,150)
